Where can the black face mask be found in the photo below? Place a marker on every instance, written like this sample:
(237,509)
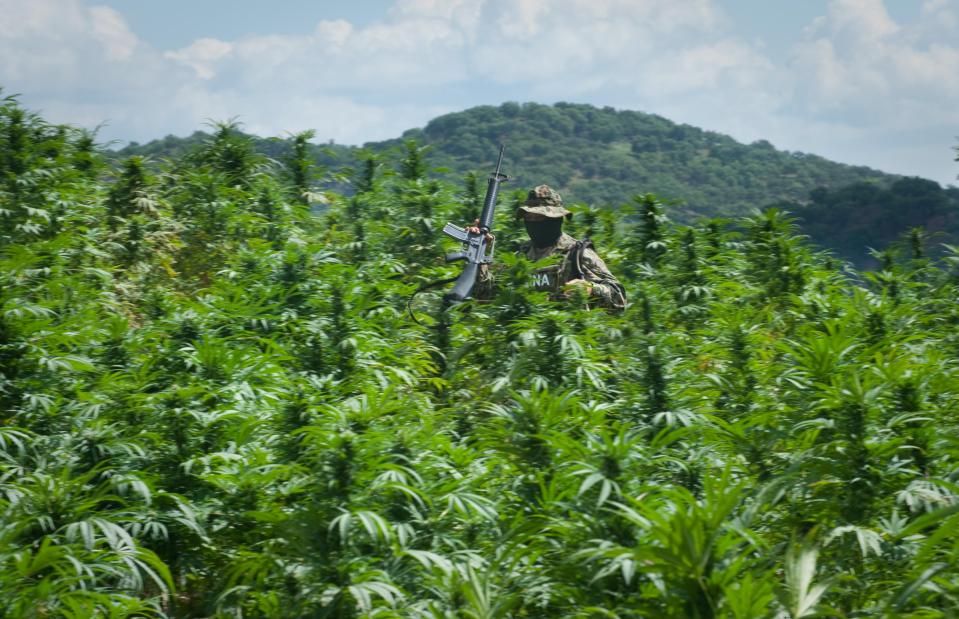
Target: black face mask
(545,232)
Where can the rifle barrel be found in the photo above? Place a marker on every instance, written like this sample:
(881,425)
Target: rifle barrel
(492,190)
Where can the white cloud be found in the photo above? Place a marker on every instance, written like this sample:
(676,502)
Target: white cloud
(334,34)
(855,74)
(559,49)
(856,60)
(111,31)
(202,56)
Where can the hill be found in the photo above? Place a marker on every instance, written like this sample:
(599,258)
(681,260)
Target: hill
(173,147)
(855,219)
(598,156)
(604,156)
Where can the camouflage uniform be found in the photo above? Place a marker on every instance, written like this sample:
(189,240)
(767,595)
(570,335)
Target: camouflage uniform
(606,289)
(606,292)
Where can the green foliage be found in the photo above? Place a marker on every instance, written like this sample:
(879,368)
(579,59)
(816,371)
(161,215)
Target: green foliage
(854,218)
(601,157)
(213,403)
(300,165)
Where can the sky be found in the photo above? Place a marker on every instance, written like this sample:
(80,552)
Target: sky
(868,82)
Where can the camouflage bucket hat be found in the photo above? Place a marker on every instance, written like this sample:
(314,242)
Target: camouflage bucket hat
(545,201)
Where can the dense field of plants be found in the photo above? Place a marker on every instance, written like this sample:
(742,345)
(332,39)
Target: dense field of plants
(214,404)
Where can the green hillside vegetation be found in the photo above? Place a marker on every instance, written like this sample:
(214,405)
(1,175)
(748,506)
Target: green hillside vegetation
(214,404)
(599,156)
(278,148)
(602,157)
(863,216)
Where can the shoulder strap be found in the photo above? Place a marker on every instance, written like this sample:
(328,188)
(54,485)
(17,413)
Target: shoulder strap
(575,256)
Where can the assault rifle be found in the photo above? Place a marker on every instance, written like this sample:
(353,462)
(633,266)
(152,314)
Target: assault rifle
(475,245)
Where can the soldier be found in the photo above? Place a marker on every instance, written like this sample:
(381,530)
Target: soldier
(580,267)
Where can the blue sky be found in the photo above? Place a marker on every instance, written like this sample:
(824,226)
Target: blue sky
(868,82)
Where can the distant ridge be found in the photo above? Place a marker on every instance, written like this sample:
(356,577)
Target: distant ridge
(601,156)
(604,157)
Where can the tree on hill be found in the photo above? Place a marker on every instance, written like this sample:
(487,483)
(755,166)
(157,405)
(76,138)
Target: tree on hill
(862,216)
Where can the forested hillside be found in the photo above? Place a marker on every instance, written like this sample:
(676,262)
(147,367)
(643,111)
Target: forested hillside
(603,155)
(599,156)
(214,404)
(855,219)
(279,148)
